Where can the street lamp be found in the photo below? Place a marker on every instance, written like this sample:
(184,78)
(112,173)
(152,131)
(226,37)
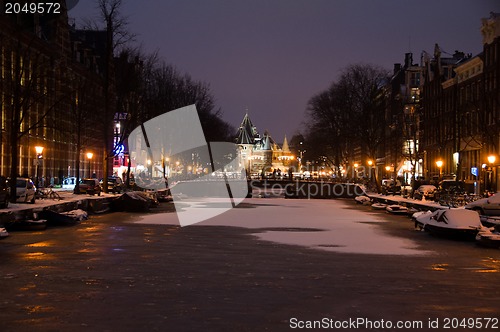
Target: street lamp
(491,160)
(89,157)
(39,151)
(439,164)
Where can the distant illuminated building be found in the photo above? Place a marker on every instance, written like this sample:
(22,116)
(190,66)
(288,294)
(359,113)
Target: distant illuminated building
(262,154)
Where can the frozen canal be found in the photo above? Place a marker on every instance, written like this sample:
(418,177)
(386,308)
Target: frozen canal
(322,224)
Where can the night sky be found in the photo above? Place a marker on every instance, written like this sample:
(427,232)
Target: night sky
(272,56)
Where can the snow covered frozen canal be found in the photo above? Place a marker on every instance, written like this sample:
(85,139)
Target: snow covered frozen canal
(321,224)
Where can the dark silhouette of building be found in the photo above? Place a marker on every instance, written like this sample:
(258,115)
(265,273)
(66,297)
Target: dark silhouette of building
(48,70)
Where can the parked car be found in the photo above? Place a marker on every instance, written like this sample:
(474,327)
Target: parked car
(489,206)
(90,186)
(115,184)
(69,183)
(426,191)
(25,190)
(452,186)
(4,193)
(391,186)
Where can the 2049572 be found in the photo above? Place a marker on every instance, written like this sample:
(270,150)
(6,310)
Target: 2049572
(471,323)
(31,7)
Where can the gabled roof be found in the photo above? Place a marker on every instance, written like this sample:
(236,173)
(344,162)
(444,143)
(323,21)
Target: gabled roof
(285,146)
(247,133)
(267,143)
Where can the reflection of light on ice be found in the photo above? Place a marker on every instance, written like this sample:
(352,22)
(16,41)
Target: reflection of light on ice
(344,230)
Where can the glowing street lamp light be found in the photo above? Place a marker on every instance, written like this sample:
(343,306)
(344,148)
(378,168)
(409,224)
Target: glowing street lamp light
(89,157)
(491,161)
(439,164)
(39,151)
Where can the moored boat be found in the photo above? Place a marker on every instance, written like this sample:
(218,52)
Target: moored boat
(365,200)
(379,206)
(57,219)
(489,237)
(453,223)
(27,225)
(397,209)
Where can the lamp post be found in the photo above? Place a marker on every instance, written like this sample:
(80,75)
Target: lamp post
(89,157)
(39,156)
(370,164)
(491,161)
(439,164)
(299,159)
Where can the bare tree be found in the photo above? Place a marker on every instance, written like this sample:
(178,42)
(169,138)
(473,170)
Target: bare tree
(349,114)
(82,114)
(117,35)
(167,89)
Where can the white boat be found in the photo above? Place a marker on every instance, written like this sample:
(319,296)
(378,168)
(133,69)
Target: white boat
(379,206)
(489,237)
(396,209)
(454,223)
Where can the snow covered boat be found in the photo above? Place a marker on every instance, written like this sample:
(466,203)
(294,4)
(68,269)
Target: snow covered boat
(415,215)
(57,219)
(30,223)
(453,223)
(489,237)
(396,209)
(134,201)
(27,225)
(3,233)
(78,215)
(365,200)
(379,206)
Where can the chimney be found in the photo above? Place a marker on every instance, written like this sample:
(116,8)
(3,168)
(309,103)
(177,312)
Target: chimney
(408,60)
